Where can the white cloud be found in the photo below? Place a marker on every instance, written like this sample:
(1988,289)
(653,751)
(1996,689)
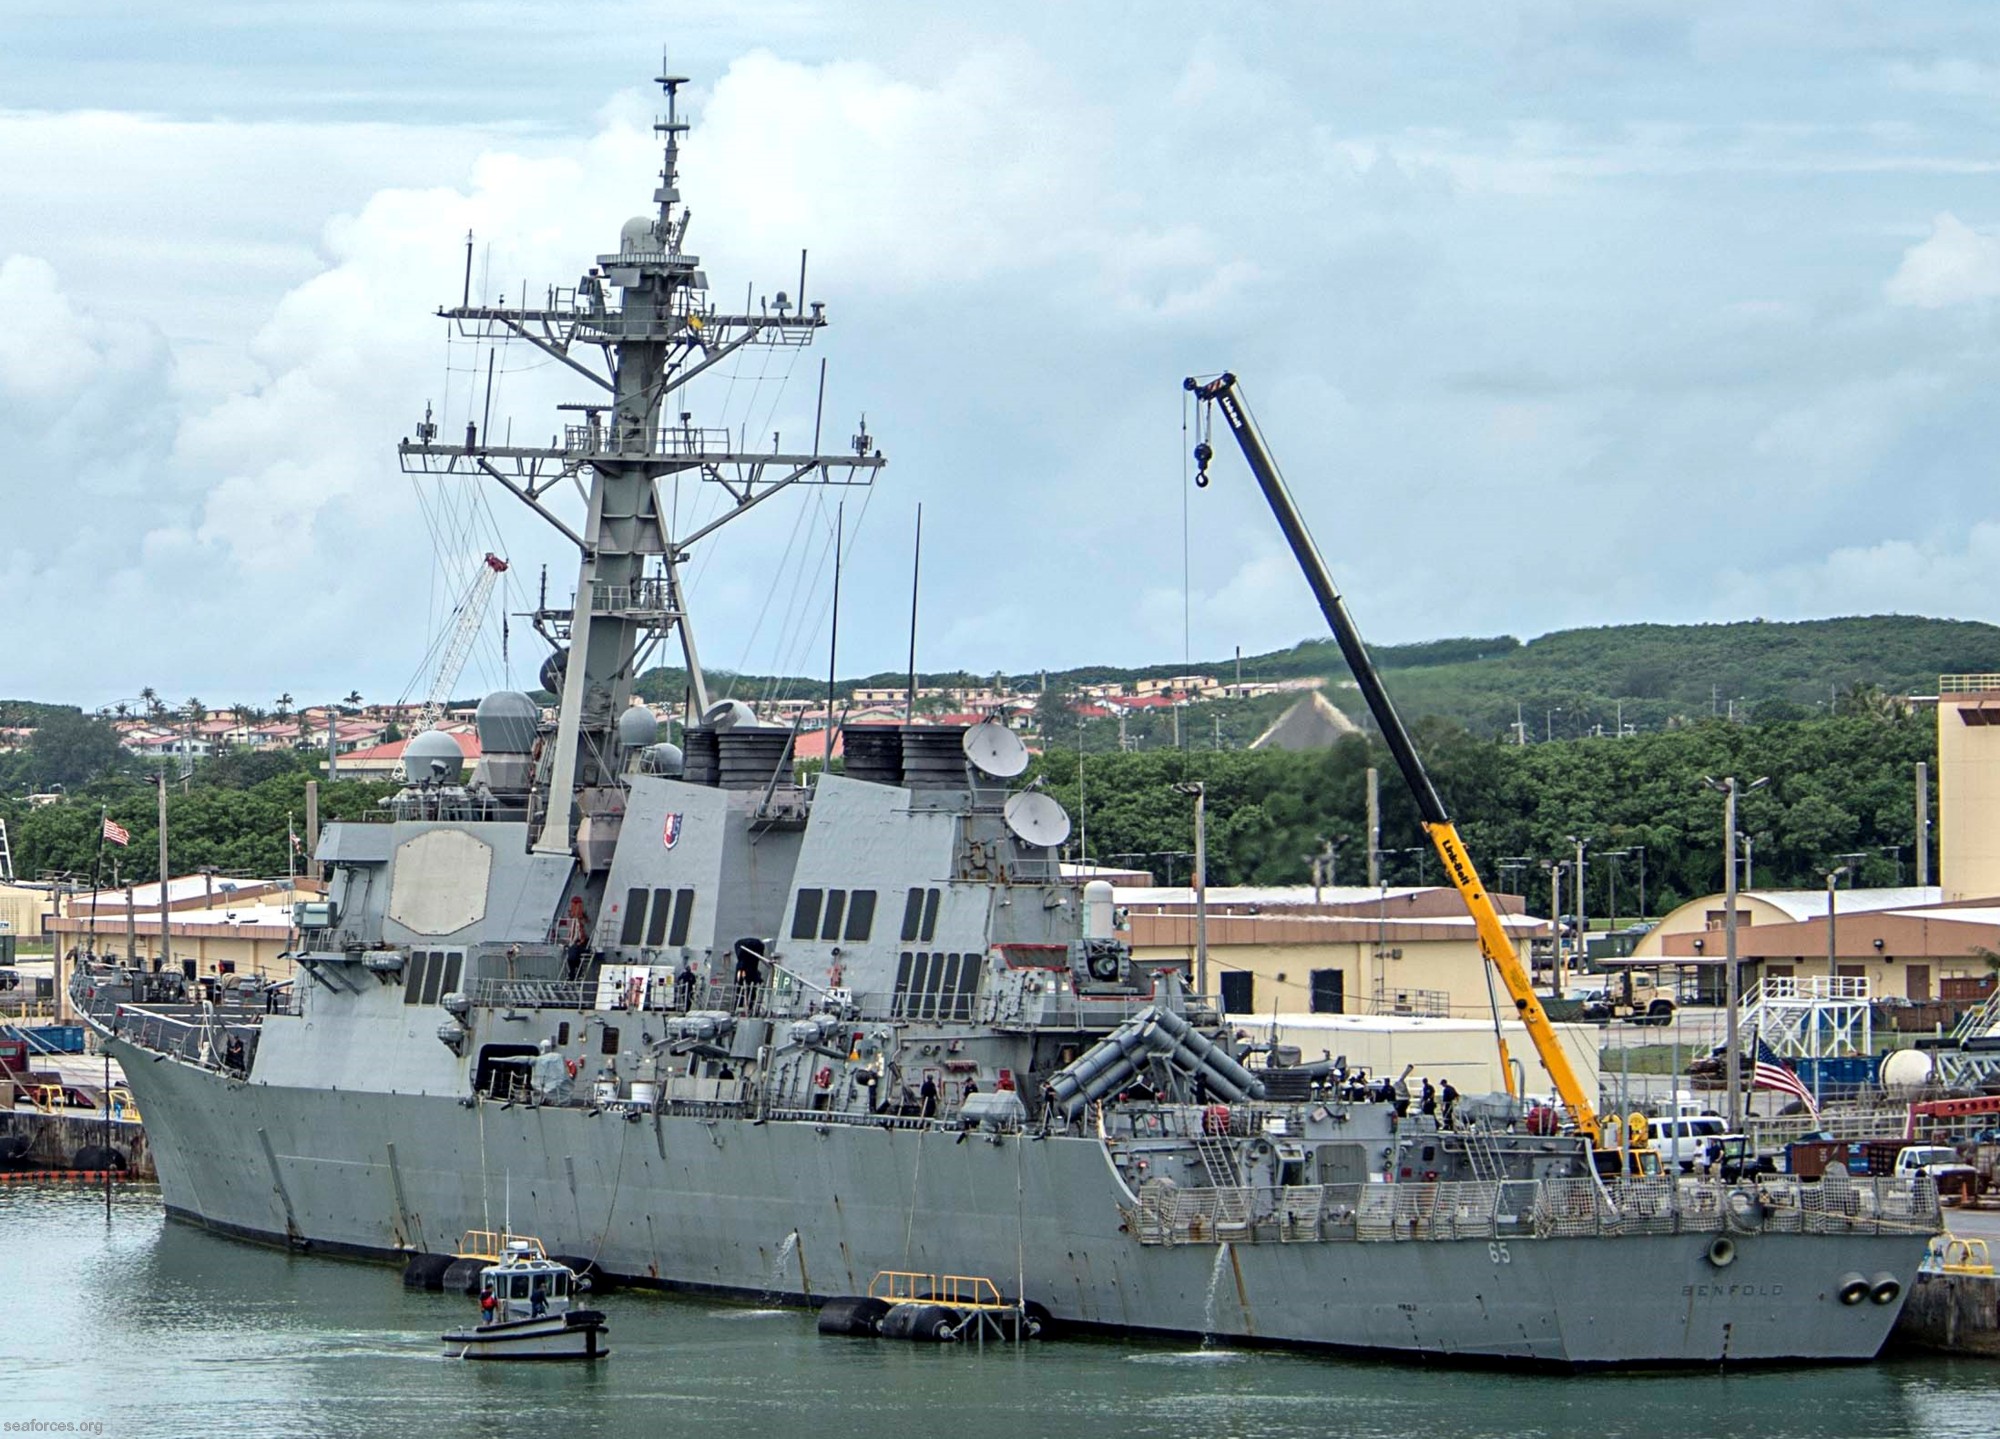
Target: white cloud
(1933,575)
(1954,265)
(1576,320)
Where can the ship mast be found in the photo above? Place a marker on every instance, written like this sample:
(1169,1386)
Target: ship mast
(646,309)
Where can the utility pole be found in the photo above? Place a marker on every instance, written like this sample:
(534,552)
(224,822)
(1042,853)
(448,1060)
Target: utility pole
(312,828)
(1923,825)
(1200,793)
(1582,903)
(164,874)
(1374,828)
(1731,980)
(1555,869)
(1082,804)
(1832,901)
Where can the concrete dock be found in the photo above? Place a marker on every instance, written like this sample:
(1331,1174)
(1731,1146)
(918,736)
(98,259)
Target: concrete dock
(1957,1313)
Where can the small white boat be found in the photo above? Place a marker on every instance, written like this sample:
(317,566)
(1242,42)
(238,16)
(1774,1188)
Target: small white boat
(529,1310)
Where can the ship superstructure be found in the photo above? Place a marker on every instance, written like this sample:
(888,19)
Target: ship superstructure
(698,1023)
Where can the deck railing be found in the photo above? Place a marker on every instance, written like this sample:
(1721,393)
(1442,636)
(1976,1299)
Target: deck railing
(1168,1213)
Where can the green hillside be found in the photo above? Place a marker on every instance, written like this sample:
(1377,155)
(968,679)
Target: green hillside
(1567,683)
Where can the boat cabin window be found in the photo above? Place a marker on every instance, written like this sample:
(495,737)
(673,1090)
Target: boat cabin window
(562,1035)
(836,910)
(610,1045)
(663,911)
(520,1287)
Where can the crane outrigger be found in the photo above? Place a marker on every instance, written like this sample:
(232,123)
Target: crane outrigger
(1222,391)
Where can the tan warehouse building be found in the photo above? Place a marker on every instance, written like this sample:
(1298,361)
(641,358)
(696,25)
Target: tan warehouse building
(1410,951)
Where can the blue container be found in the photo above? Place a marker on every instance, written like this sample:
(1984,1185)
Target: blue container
(1851,1073)
(56,1038)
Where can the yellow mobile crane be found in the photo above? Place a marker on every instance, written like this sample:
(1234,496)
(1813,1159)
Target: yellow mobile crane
(1222,392)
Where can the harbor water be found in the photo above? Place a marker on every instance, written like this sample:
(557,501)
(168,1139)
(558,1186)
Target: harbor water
(139,1326)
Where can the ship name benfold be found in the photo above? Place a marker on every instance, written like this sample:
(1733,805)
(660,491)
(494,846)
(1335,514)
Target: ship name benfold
(1732,1291)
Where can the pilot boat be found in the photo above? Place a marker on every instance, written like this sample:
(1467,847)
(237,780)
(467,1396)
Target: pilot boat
(529,1310)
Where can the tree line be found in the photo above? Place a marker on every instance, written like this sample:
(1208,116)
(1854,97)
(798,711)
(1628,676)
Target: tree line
(236,812)
(1839,787)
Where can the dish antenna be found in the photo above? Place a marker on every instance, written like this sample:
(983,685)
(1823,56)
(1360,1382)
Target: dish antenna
(995,750)
(1036,819)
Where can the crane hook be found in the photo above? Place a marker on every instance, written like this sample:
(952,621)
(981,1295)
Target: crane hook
(1203,453)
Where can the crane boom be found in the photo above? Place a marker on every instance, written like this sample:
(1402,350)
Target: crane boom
(1222,391)
(465,622)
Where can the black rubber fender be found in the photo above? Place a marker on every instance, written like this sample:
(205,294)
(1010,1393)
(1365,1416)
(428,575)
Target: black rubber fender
(97,1156)
(856,1316)
(924,1323)
(461,1276)
(426,1271)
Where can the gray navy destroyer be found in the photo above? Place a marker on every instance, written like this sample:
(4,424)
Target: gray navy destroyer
(699,1024)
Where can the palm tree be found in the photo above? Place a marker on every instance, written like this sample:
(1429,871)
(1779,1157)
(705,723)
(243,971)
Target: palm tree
(194,709)
(353,699)
(284,705)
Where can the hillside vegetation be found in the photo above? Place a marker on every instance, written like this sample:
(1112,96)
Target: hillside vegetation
(1839,786)
(1569,683)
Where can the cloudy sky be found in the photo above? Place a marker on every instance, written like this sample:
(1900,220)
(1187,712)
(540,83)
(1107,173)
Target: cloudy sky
(1557,314)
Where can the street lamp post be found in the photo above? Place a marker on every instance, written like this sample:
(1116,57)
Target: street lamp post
(1832,903)
(1731,979)
(1582,902)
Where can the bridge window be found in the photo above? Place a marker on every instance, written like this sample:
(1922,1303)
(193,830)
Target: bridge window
(936,986)
(805,919)
(683,917)
(913,914)
(860,916)
(663,911)
(836,908)
(413,975)
(635,917)
(930,916)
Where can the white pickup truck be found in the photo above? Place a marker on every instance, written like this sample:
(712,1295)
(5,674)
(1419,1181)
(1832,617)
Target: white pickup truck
(1952,1175)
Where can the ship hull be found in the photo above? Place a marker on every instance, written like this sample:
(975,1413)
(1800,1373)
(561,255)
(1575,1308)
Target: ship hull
(801,1212)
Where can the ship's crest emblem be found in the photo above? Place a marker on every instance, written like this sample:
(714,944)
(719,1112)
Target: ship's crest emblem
(670,832)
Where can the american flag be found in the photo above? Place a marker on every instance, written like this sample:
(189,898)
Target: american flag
(1773,1073)
(115,832)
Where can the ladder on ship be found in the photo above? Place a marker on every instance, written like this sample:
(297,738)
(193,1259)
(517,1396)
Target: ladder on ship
(1219,1160)
(1483,1156)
